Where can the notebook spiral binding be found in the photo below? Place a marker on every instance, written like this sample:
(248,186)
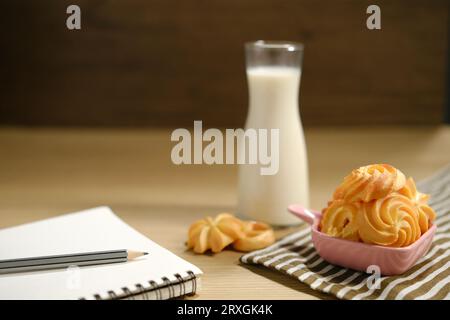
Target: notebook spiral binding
(154,287)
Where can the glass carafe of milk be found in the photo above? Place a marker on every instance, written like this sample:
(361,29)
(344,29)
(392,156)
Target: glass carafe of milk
(273,74)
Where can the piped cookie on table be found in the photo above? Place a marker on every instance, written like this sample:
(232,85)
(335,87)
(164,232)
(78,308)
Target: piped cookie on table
(225,229)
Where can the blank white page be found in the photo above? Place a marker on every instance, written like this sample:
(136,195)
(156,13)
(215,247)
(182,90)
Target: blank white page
(96,229)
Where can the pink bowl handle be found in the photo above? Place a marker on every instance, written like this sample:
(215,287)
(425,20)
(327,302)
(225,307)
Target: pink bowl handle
(307,215)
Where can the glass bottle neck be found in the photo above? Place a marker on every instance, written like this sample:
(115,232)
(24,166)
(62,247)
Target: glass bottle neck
(273,87)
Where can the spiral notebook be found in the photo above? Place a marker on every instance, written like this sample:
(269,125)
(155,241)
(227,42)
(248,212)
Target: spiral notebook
(158,275)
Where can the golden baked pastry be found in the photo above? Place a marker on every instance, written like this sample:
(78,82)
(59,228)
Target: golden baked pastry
(339,220)
(377,205)
(214,234)
(390,221)
(425,213)
(218,233)
(369,183)
(258,235)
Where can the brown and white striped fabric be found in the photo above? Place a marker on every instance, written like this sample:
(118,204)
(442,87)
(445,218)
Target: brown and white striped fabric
(295,256)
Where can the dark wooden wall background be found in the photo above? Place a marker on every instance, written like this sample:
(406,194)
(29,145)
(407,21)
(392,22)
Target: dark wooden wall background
(169,62)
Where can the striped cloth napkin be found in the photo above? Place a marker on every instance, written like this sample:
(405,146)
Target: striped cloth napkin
(295,256)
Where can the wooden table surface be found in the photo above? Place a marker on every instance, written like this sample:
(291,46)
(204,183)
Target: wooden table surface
(46,172)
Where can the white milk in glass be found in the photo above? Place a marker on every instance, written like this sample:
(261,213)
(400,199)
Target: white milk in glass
(273,103)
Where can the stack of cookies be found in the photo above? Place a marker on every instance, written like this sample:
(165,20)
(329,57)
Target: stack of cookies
(376,204)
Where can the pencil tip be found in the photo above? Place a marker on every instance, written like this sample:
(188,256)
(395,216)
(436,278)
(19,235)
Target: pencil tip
(135,254)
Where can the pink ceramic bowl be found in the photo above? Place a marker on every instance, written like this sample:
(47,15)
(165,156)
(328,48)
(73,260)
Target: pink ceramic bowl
(359,256)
